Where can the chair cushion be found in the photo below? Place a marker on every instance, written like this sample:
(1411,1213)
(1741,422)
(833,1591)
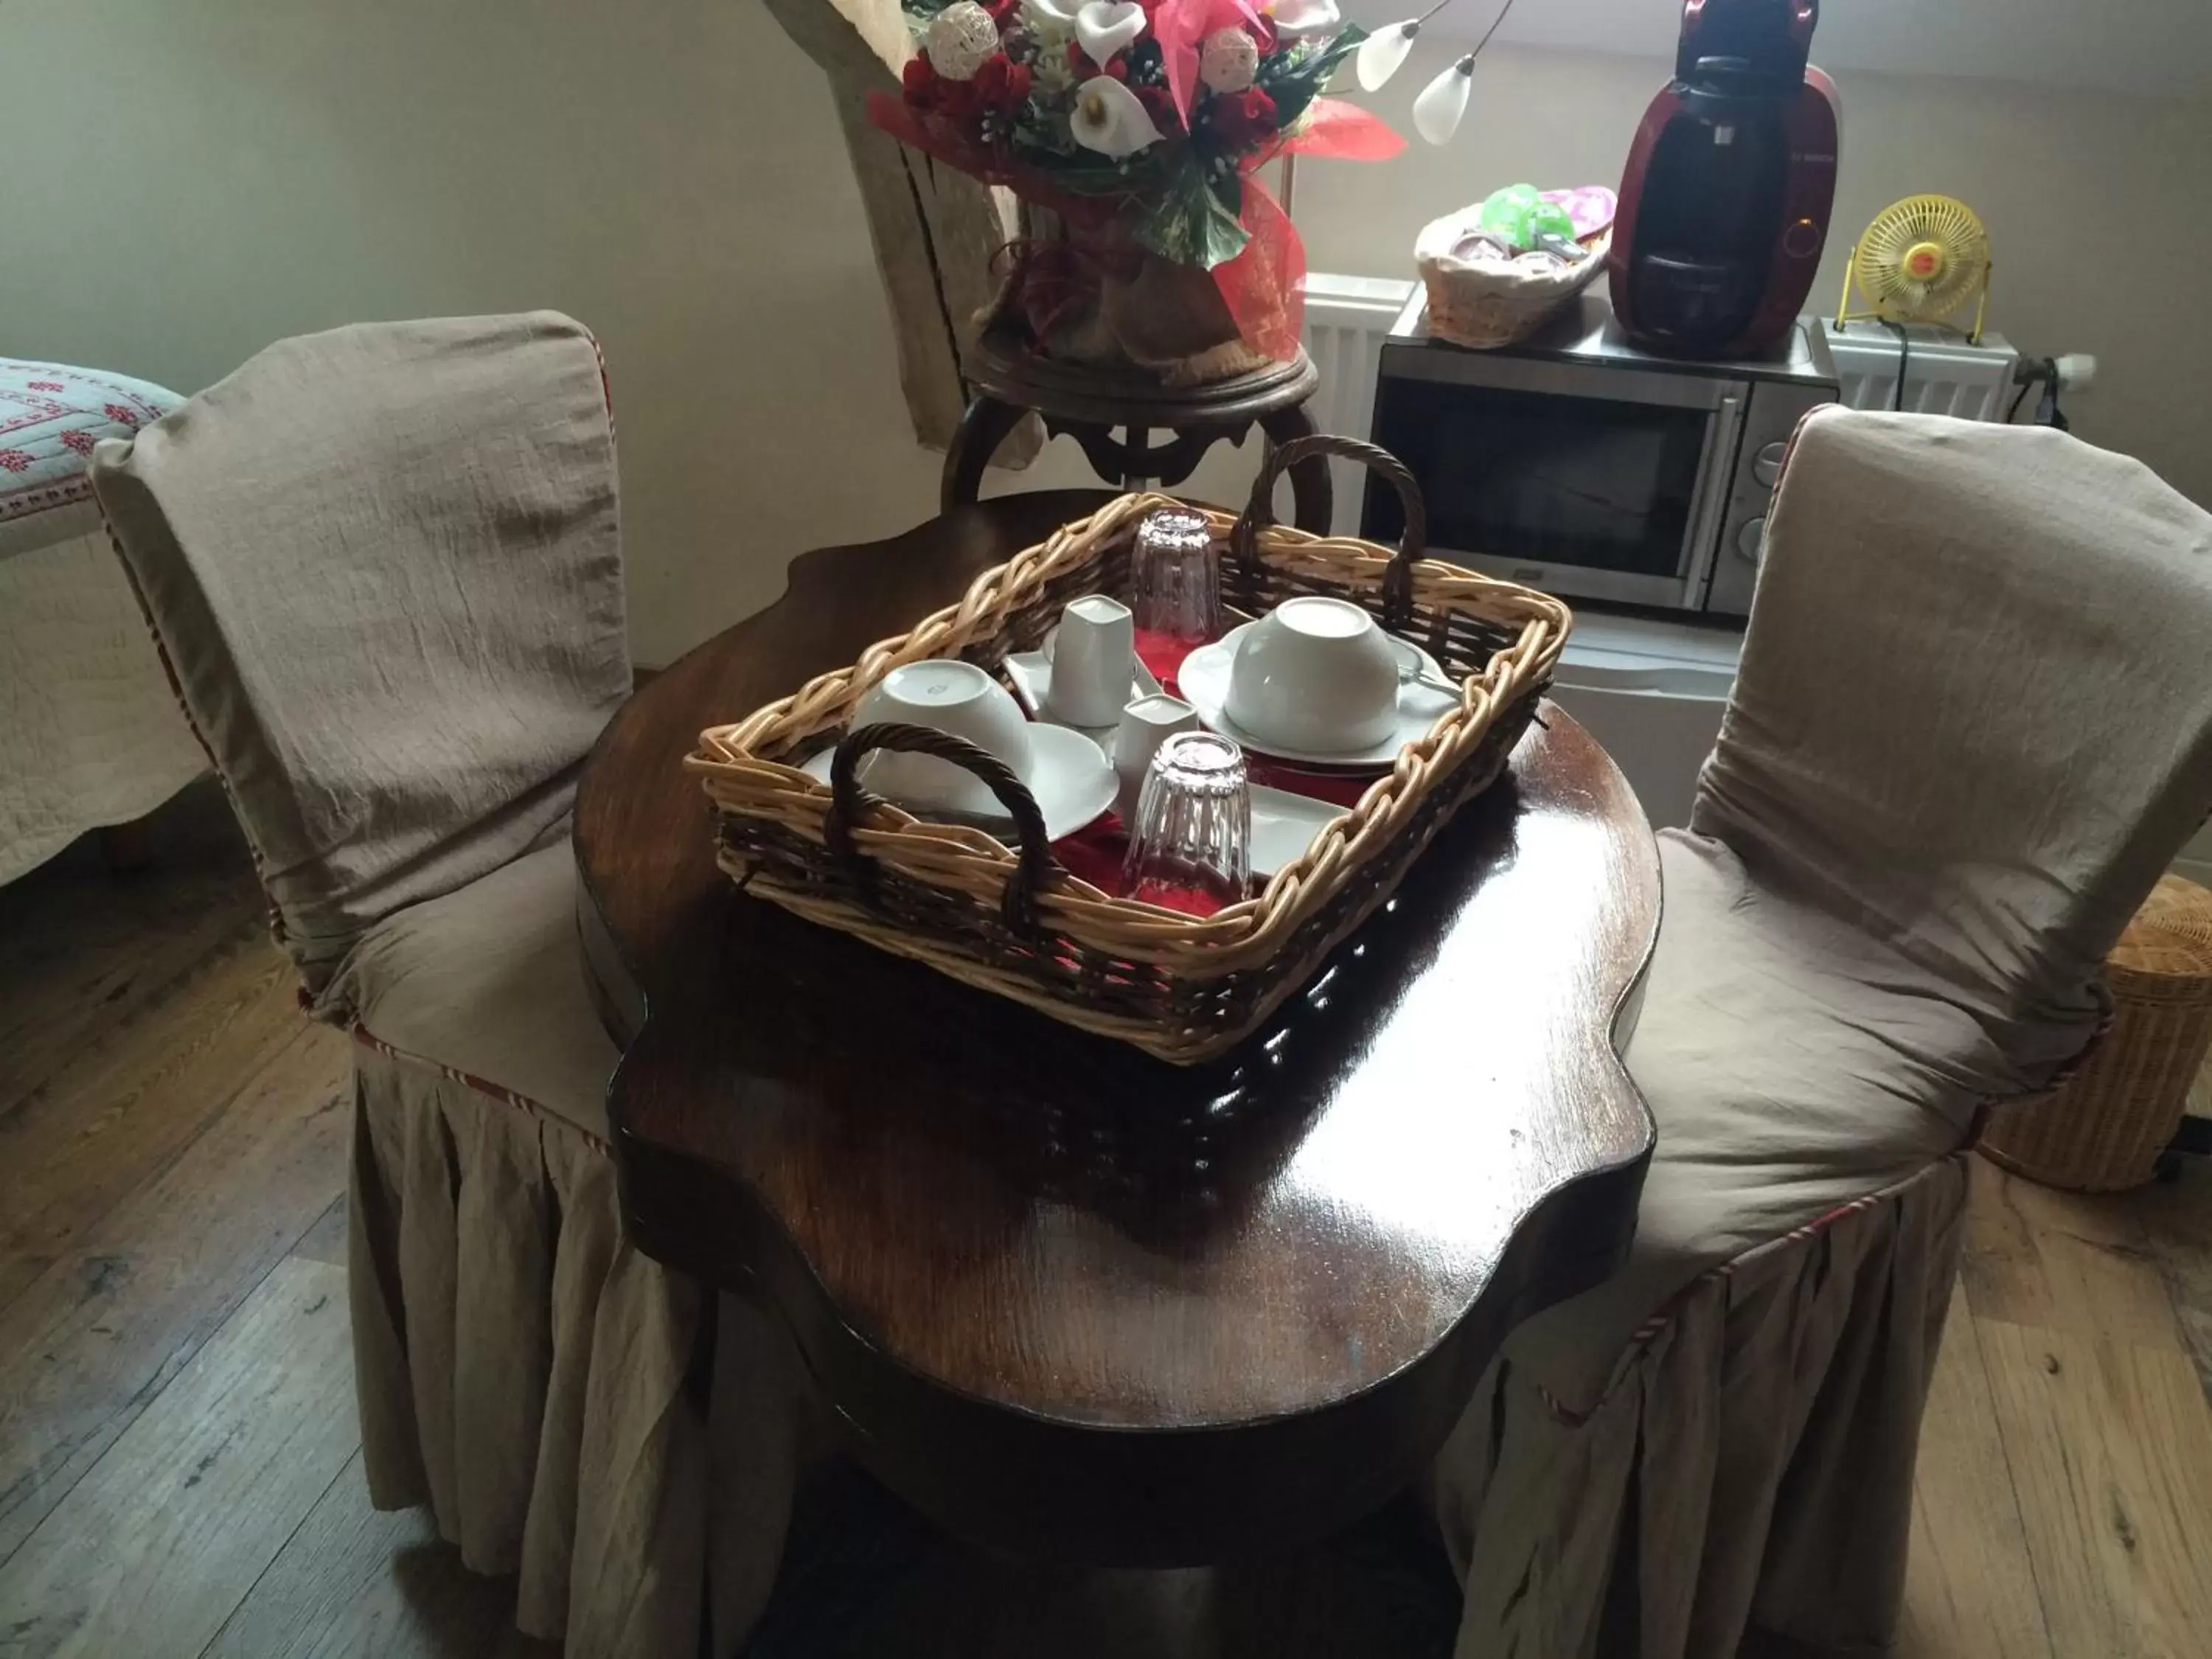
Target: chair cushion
(1793,1065)
(486,983)
(51,418)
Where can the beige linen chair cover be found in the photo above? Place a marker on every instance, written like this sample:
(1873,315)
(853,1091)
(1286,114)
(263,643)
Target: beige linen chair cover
(384,566)
(1973,723)
(388,562)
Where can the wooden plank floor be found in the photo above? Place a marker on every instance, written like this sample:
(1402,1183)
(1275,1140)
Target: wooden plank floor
(179,1469)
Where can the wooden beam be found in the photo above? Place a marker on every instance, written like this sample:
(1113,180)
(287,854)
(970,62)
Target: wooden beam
(934,230)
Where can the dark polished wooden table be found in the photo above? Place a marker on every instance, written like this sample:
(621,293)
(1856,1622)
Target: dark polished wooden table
(1067,1299)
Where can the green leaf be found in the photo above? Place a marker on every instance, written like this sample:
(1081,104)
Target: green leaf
(1188,225)
(1301,78)
(1081,173)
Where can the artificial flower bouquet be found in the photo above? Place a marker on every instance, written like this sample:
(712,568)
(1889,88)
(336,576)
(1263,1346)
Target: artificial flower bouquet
(1132,131)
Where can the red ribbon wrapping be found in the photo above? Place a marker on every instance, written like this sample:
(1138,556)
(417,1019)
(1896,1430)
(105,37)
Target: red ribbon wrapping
(1342,132)
(1263,287)
(1182,26)
(1050,281)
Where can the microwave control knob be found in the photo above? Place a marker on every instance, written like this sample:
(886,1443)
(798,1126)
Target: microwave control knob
(1751,541)
(1766,465)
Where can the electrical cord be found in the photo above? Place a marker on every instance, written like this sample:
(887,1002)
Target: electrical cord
(2047,411)
(2052,374)
(1904,360)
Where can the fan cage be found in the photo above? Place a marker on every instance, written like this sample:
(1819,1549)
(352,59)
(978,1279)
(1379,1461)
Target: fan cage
(1876,267)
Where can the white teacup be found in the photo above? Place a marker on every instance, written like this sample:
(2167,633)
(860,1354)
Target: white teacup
(946,695)
(1316,675)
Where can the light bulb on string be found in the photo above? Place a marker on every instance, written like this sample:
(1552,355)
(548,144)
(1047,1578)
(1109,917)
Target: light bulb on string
(1381,53)
(1443,102)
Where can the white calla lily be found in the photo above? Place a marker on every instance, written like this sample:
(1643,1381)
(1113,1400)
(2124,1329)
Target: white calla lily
(1381,52)
(1438,110)
(1303,20)
(1107,27)
(1110,118)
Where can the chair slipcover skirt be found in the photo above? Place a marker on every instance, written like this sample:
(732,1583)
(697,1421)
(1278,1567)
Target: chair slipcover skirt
(530,1375)
(1746,1482)
(521,1367)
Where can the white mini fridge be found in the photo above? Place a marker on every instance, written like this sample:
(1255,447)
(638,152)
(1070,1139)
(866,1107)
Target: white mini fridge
(1651,691)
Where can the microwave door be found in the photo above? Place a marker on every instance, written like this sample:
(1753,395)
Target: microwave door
(1582,480)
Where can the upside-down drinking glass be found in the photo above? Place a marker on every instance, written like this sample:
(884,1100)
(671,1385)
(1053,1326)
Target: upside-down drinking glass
(1175,588)
(1190,848)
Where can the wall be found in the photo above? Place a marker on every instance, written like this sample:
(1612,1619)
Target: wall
(2132,46)
(186,183)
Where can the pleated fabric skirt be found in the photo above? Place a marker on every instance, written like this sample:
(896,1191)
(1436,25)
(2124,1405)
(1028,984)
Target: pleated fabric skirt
(1745,1484)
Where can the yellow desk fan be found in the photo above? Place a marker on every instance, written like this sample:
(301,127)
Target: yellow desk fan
(1919,261)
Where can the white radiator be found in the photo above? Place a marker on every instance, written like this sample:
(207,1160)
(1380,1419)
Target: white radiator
(1943,375)
(1347,317)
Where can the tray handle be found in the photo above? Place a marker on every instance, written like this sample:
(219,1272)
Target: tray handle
(1260,513)
(849,801)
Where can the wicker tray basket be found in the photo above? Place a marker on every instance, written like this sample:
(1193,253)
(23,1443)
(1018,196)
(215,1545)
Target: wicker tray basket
(1011,919)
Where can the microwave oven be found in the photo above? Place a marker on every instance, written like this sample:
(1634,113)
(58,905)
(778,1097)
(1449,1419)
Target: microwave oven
(1582,464)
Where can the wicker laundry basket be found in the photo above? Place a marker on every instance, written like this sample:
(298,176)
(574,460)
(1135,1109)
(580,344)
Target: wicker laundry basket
(2106,1128)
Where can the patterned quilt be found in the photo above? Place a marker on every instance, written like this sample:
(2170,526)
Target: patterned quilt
(50,416)
(90,732)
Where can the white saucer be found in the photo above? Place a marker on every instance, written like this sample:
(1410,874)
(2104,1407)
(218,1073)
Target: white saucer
(1204,677)
(1283,825)
(1071,777)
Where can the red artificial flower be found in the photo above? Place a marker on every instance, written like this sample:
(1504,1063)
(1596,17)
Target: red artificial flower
(1003,12)
(1243,119)
(927,90)
(1159,104)
(1001,84)
(1079,61)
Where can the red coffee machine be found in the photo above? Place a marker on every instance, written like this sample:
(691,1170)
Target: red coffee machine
(1724,205)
